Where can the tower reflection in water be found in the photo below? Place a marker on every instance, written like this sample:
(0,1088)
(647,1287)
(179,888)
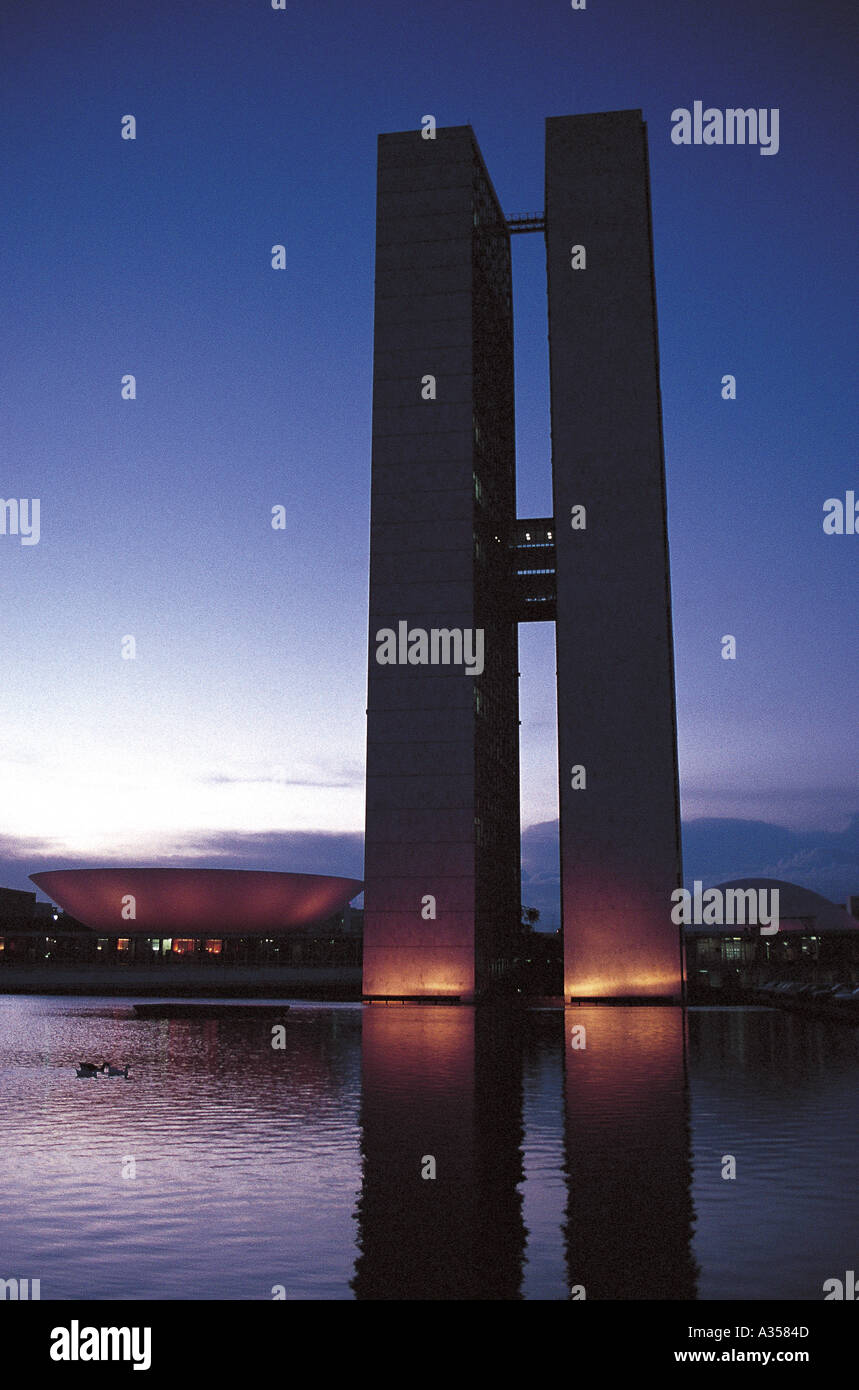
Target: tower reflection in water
(629,1207)
(445,1082)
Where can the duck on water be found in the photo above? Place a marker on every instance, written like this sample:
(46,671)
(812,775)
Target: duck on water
(91,1069)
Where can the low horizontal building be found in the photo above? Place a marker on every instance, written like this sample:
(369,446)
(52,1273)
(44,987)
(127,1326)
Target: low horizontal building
(817,942)
(223,931)
(182,931)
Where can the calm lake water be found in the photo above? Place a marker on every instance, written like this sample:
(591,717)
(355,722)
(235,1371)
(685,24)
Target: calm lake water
(300,1167)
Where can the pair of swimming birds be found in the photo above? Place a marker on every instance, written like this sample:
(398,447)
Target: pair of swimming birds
(90,1069)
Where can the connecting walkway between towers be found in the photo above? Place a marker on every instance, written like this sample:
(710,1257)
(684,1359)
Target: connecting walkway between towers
(534,222)
(533,553)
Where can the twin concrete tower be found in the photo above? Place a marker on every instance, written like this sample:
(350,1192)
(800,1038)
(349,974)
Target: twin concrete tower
(453,572)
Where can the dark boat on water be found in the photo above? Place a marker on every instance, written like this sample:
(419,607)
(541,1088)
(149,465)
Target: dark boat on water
(210,1008)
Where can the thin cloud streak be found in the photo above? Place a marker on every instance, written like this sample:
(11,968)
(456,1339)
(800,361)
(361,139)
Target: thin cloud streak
(714,850)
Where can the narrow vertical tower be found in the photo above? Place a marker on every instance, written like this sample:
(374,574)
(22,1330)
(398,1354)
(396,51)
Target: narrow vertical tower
(442,825)
(619,803)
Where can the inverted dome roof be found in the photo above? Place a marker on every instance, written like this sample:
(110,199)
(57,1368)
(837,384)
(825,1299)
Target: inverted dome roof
(196,902)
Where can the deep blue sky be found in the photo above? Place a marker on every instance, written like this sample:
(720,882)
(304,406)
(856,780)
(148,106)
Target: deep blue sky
(243,713)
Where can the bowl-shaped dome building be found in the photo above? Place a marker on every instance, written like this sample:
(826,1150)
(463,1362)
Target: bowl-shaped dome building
(196,902)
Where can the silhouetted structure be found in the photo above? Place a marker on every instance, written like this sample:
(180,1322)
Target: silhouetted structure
(449,561)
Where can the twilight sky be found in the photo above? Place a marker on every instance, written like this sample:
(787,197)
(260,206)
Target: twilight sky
(242,715)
